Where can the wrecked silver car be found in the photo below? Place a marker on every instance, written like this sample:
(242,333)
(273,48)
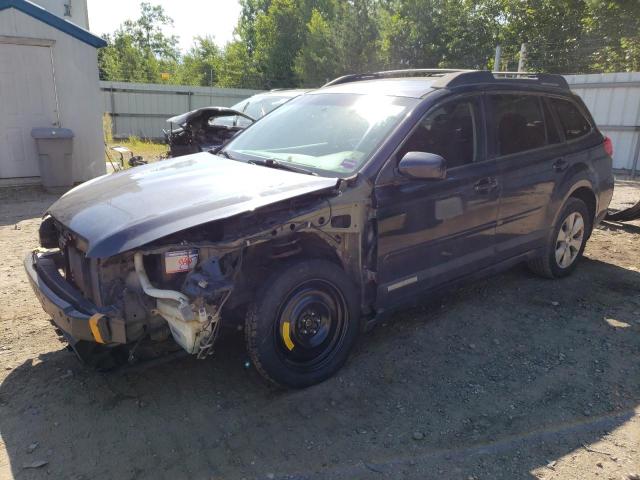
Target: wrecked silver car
(207,129)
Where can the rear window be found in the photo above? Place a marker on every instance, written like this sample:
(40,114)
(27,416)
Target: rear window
(573,122)
(519,122)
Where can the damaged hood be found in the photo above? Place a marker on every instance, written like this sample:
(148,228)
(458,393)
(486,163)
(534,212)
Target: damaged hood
(185,118)
(118,212)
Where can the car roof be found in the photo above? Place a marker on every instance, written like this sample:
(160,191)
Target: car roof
(412,87)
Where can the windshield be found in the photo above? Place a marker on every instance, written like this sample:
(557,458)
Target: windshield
(332,133)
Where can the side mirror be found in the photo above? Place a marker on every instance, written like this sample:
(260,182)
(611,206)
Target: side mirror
(423,165)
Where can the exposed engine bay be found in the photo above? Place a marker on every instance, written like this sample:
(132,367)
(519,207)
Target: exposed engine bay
(203,130)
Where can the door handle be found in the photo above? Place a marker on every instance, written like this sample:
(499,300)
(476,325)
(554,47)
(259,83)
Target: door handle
(560,165)
(486,185)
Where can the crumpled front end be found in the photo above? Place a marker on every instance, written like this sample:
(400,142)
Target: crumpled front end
(174,293)
(132,300)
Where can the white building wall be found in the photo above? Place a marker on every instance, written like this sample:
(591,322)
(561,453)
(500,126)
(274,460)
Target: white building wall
(78,8)
(77,84)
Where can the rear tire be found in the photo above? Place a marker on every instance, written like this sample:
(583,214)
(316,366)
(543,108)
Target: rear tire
(566,243)
(303,323)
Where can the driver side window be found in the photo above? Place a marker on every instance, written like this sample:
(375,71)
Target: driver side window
(450,130)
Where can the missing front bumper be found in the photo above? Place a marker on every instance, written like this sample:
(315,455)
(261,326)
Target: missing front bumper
(78,318)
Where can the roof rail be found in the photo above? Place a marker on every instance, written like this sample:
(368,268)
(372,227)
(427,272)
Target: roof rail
(425,72)
(448,78)
(484,76)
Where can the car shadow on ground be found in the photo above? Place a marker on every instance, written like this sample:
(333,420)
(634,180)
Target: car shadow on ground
(494,380)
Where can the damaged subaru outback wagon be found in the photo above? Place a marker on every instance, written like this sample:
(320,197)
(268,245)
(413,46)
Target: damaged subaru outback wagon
(342,204)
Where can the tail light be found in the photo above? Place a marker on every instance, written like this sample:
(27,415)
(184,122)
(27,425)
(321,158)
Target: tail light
(608,146)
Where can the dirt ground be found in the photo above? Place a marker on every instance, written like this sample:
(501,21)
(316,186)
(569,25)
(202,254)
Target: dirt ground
(513,377)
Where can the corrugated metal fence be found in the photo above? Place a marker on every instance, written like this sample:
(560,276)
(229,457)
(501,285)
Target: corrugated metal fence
(614,102)
(142,109)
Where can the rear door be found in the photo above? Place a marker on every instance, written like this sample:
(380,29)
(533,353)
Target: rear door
(528,150)
(433,231)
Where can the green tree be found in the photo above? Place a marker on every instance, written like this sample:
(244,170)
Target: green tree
(553,31)
(316,62)
(138,51)
(237,69)
(356,36)
(201,64)
(279,34)
(613,29)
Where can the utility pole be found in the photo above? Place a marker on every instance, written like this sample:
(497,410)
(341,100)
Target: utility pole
(497,59)
(523,58)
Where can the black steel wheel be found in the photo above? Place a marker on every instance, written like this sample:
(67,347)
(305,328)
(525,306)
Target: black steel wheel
(303,323)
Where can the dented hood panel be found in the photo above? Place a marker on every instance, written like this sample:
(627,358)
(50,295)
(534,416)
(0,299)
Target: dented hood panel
(118,212)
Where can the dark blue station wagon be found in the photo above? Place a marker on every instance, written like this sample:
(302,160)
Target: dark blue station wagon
(340,205)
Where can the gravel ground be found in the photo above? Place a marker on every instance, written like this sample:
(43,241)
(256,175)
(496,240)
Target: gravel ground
(511,377)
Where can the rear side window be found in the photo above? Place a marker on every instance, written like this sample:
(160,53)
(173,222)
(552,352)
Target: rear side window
(519,122)
(573,122)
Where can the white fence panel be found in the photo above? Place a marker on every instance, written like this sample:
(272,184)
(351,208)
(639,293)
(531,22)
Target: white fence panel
(614,102)
(142,109)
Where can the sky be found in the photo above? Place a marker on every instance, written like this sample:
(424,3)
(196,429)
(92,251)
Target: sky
(191,18)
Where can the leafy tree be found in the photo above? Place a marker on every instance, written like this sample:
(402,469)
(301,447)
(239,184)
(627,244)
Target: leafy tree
(356,36)
(201,64)
(553,32)
(316,62)
(613,29)
(147,32)
(288,43)
(237,69)
(139,51)
(279,34)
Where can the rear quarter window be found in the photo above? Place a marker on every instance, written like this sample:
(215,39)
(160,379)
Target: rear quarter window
(572,121)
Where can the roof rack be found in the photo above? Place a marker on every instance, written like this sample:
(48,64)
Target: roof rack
(449,78)
(485,76)
(424,72)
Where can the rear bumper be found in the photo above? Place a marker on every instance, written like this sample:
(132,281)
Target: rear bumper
(78,318)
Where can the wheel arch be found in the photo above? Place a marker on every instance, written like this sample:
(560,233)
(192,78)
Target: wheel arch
(260,261)
(581,188)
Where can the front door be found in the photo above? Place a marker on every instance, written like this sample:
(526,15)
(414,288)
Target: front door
(431,232)
(27,96)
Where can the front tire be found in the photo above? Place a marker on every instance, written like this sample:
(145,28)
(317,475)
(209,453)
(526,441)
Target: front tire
(303,323)
(566,244)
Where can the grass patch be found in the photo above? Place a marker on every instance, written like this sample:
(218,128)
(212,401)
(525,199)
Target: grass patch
(150,151)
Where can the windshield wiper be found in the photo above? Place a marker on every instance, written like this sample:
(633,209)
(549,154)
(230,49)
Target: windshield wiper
(272,163)
(224,154)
